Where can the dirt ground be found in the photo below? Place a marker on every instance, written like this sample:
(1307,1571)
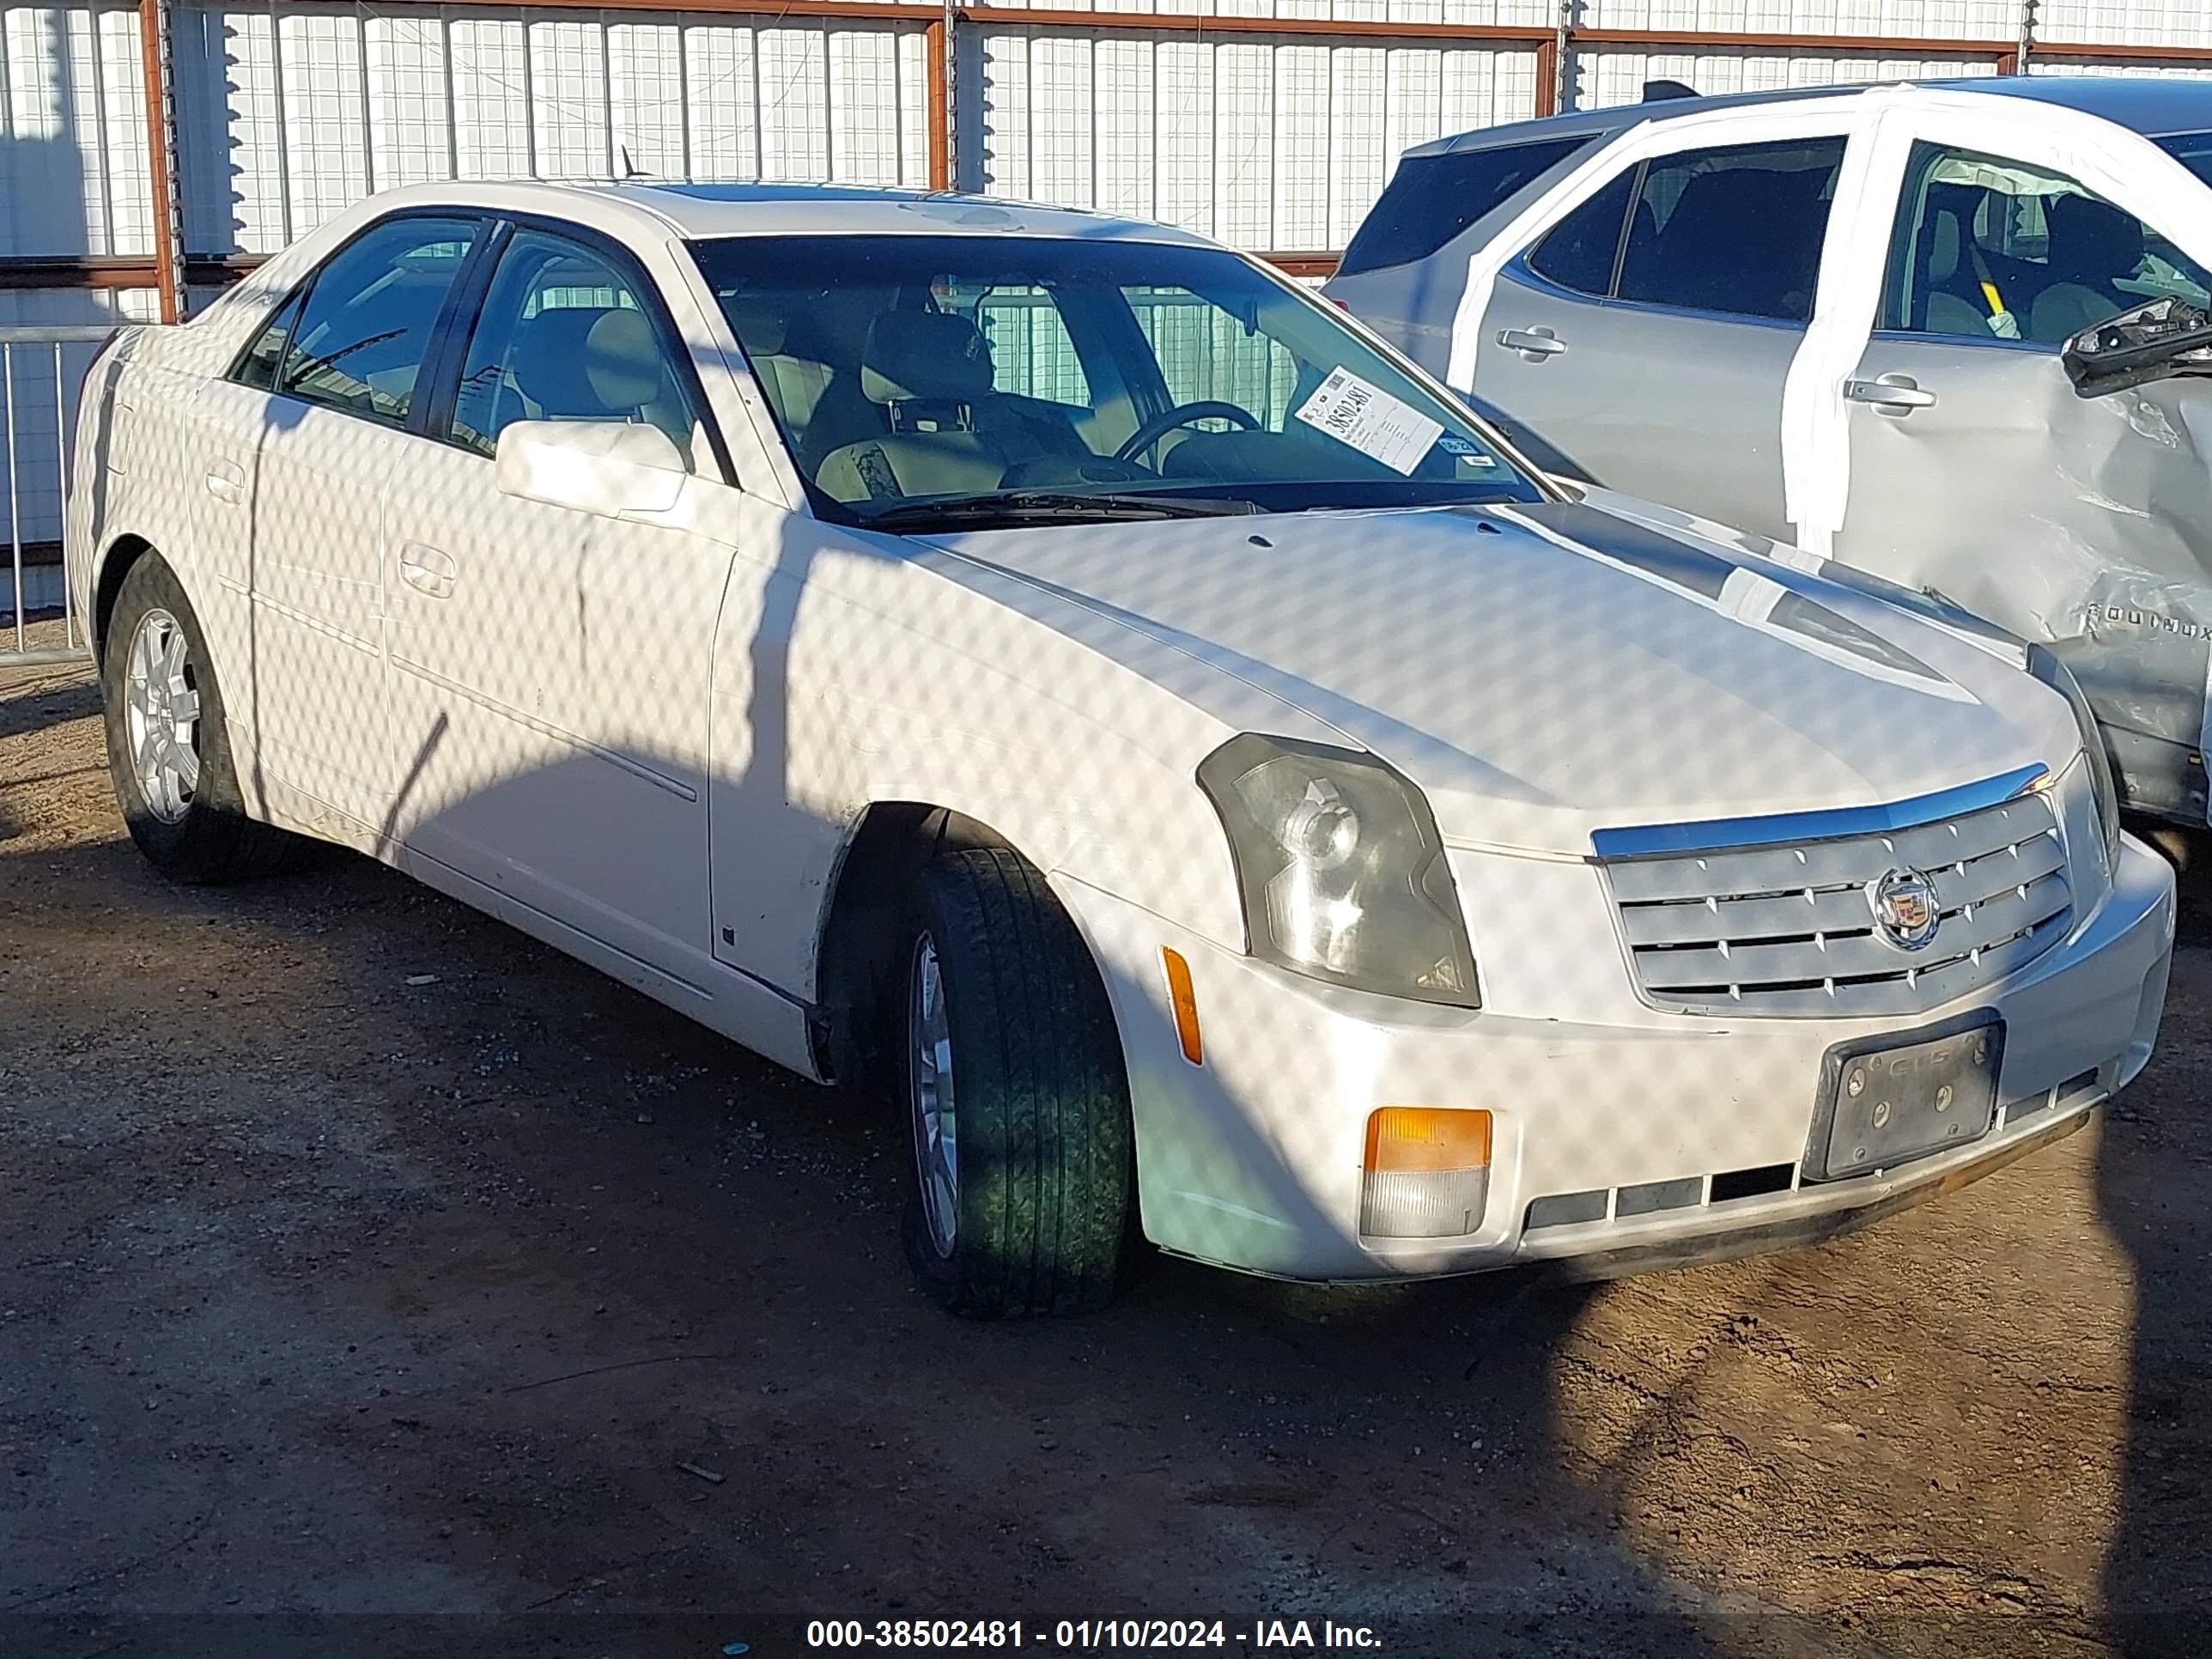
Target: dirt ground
(367,1274)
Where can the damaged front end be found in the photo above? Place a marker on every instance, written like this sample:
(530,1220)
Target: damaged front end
(2140,639)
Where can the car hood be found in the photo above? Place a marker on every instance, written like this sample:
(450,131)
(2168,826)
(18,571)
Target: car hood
(1545,671)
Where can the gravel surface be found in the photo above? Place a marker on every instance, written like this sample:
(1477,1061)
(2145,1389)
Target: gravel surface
(376,1281)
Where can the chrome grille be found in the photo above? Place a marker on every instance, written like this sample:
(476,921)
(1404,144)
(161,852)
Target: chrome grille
(1790,929)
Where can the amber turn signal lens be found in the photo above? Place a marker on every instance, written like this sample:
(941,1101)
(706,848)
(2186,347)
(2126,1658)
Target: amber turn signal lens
(1186,1005)
(1420,1139)
(1427,1173)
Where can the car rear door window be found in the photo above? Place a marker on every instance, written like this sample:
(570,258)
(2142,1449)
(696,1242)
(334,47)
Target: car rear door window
(1432,199)
(1582,251)
(1988,248)
(1736,230)
(366,323)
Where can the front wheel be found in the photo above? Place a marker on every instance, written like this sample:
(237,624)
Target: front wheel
(1018,1101)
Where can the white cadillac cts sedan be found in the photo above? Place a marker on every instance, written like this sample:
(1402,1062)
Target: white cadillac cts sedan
(1057,667)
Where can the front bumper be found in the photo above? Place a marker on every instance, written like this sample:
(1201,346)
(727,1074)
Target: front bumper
(1252,1158)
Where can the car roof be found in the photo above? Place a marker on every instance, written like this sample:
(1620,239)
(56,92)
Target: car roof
(1616,117)
(2154,106)
(702,210)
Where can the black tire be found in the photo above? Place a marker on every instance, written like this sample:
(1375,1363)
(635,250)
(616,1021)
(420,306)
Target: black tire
(214,839)
(1044,1148)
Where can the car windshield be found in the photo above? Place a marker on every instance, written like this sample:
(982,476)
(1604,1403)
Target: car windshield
(976,380)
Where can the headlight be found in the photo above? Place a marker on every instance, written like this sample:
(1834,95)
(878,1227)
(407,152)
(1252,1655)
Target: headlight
(2043,663)
(1343,872)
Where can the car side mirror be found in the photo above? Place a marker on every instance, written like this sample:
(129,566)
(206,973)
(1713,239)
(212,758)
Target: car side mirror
(611,468)
(2166,337)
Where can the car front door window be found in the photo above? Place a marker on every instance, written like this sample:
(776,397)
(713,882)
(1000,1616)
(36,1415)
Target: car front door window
(366,323)
(1987,248)
(565,336)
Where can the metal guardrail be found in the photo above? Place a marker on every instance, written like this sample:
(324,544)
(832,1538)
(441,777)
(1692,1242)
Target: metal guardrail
(34,370)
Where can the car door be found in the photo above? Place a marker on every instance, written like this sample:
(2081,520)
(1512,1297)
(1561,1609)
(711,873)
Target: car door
(297,441)
(551,666)
(1644,337)
(1974,466)
(1976,469)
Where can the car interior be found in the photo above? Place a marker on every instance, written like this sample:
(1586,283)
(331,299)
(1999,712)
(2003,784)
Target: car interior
(561,337)
(885,394)
(950,369)
(1695,258)
(1688,231)
(2056,263)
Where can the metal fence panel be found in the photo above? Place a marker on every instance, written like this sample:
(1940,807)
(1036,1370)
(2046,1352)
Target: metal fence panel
(41,377)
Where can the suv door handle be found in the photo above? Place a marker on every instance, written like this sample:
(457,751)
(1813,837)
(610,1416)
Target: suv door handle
(226,482)
(428,570)
(1891,394)
(1534,343)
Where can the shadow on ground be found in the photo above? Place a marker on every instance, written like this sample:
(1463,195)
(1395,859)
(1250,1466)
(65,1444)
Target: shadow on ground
(377,1281)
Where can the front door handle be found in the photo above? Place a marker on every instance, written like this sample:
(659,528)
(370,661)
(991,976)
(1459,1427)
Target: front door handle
(226,482)
(1890,394)
(1534,343)
(428,570)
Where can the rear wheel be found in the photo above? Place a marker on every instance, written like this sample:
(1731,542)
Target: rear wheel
(1018,1104)
(168,750)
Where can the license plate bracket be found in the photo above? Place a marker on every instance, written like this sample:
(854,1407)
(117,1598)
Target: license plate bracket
(1889,1099)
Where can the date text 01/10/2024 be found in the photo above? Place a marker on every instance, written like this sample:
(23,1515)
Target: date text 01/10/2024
(1087,1633)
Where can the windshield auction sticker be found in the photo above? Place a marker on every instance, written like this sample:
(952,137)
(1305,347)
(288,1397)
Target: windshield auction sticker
(1371,421)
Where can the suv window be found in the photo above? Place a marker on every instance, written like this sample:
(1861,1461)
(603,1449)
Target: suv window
(366,322)
(1582,251)
(1432,199)
(1737,229)
(564,336)
(1986,248)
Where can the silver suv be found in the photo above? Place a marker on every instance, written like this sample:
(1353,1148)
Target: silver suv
(1948,333)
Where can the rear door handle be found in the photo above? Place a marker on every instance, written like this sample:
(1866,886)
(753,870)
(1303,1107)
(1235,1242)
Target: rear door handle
(1534,343)
(1892,394)
(428,570)
(226,482)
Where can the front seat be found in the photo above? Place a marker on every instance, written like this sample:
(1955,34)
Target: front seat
(627,374)
(550,370)
(1947,311)
(793,382)
(2093,246)
(926,371)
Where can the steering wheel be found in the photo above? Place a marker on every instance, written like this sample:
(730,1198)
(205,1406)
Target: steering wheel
(1182,416)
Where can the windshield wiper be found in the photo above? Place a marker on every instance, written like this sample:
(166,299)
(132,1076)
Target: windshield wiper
(1018,507)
